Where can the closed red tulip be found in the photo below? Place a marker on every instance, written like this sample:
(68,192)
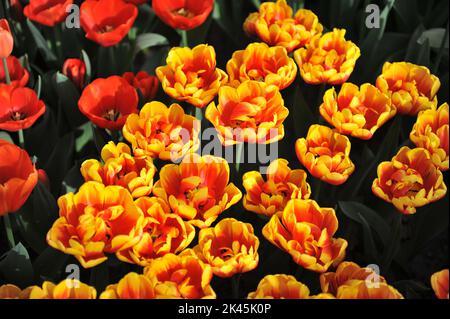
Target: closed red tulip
(6,39)
(18,177)
(183,14)
(108,102)
(107,22)
(47,12)
(18,75)
(75,70)
(19,108)
(146,83)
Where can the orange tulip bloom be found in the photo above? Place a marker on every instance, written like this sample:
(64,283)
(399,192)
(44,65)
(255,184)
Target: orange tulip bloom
(327,59)
(439,283)
(409,180)
(121,168)
(253,112)
(271,196)
(431,133)
(275,25)
(161,131)
(18,177)
(13,292)
(325,154)
(20,108)
(146,83)
(198,188)
(191,75)
(19,76)
(230,247)
(358,112)
(353,282)
(164,232)
(131,286)
(108,102)
(6,39)
(411,87)
(283,287)
(66,289)
(183,276)
(305,231)
(97,220)
(260,62)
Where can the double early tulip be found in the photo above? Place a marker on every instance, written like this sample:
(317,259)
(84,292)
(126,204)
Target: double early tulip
(183,14)
(358,112)
(260,62)
(107,22)
(47,12)
(409,180)
(9,291)
(162,132)
(253,112)
(275,25)
(267,197)
(20,108)
(182,277)
(305,231)
(6,39)
(353,282)
(326,154)
(163,232)
(131,286)
(190,75)
(230,247)
(97,220)
(18,75)
(431,133)
(198,188)
(147,84)
(66,289)
(119,167)
(108,102)
(329,58)
(18,177)
(411,87)
(439,283)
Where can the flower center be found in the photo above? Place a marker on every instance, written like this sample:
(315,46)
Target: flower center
(111,115)
(17,116)
(105,29)
(184,13)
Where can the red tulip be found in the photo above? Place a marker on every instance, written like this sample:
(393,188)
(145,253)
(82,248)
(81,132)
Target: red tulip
(75,70)
(147,84)
(136,2)
(6,39)
(19,108)
(18,177)
(47,12)
(107,22)
(43,178)
(183,14)
(108,102)
(18,75)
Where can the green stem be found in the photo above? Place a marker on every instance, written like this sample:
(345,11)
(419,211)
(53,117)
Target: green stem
(7,77)
(318,187)
(239,148)
(9,231)
(58,43)
(184,38)
(21,139)
(235,280)
(112,59)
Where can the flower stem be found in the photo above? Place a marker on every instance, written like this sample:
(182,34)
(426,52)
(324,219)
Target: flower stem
(184,38)
(21,139)
(7,77)
(235,280)
(239,148)
(9,231)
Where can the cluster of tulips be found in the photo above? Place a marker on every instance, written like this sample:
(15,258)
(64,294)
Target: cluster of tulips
(149,218)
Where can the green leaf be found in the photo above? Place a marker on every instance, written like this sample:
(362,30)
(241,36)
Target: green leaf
(16,267)
(6,137)
(41,44)
(68,100)
(38,86)
(149,40)
(434,37)
(87,62)
(50,265)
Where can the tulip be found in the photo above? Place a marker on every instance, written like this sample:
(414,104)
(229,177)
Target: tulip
(439,283)
(47,12)
(183,14)
(66,289)
(132,286)
(75,70)
(147,84)
(6,40)
(18,75)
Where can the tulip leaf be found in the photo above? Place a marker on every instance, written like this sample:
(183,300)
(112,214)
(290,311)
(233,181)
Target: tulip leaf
(68,100)
(435,38)
(149,40)
(73,179)
(50,265)
(38,86)
(16,267)
(87,62)
(6,137)
(41,44)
